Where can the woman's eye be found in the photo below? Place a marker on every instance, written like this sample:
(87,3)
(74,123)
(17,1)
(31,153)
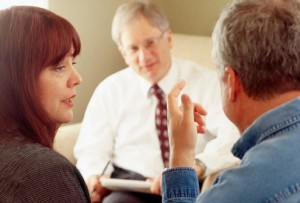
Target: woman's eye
(60,68)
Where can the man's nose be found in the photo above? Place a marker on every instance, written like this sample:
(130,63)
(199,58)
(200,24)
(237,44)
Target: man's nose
(144,53)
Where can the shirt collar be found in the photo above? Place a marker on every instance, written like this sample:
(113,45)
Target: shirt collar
(267,125)
(166,83)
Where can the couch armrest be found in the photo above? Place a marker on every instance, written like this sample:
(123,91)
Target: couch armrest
(65,140)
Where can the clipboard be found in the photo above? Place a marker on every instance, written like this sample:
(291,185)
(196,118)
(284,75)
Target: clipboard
(126,185)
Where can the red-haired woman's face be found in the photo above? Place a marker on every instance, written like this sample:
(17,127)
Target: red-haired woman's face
(57,90)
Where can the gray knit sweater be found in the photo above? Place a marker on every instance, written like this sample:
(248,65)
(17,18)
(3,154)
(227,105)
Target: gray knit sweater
(30,172)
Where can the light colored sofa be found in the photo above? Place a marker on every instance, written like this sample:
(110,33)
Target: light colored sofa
(196,48)
(65,140)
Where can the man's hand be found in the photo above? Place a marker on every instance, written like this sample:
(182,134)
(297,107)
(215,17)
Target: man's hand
(97,192)
(156,185)
(185,122)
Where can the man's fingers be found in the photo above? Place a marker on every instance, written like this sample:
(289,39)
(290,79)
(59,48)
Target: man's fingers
(198,119)
(199,112)
(173,95)
(95,197)
(200,123)
(199,109)
(188,107)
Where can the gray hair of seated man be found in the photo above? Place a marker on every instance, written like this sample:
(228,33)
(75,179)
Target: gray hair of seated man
(260,40)
(128,12)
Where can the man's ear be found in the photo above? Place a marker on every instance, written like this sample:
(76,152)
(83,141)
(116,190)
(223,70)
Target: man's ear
(233,82)
(170,38)
(123,53)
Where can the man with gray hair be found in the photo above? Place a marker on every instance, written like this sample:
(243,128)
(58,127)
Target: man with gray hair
(257,52)
(126,120)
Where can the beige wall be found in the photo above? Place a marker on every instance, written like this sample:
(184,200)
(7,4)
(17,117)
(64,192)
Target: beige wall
(99,56)
(192,16)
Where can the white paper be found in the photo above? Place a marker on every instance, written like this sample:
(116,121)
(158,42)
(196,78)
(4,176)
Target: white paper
(126,185)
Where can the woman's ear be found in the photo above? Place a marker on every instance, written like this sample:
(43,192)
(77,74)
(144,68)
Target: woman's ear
(233,82)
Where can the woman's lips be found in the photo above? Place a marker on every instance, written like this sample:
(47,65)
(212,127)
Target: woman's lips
(69,101)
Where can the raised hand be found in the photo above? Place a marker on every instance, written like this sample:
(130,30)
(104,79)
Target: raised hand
(184,124)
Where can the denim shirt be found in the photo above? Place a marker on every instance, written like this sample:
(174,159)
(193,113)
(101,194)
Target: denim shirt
(269,171)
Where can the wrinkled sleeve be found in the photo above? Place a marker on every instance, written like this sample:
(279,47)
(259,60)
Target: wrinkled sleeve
(180,185)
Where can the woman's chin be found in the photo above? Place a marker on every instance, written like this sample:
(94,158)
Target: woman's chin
(65,119)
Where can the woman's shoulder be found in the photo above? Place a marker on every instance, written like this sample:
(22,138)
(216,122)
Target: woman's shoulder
(37,157)
(43,173)
(31,158)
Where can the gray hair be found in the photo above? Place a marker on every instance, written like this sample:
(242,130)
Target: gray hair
(128,12)
(260,40)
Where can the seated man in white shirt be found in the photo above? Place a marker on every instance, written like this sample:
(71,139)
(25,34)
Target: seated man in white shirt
(119,124)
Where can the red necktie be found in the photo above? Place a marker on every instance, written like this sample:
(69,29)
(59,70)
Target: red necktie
(161,123)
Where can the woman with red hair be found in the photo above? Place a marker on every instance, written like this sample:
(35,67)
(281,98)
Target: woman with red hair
(37,87)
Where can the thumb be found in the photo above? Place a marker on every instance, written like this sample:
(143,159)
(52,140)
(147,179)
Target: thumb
(188,108)
(172,98)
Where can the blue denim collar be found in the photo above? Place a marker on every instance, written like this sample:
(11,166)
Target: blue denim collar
(268,125)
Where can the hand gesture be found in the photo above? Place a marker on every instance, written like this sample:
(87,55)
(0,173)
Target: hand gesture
(185,122)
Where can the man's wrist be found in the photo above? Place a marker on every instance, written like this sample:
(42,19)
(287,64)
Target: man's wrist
(181,159)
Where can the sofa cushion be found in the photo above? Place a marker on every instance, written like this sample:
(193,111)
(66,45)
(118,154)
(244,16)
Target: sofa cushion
(193,47)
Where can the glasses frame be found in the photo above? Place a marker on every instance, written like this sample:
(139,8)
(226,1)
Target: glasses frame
(149,45)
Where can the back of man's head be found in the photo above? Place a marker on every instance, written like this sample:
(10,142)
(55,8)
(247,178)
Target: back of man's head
(260,40)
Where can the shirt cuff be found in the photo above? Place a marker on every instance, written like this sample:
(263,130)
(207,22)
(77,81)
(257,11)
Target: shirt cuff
(180,183)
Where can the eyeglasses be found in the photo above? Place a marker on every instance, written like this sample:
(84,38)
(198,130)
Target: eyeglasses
(149,45)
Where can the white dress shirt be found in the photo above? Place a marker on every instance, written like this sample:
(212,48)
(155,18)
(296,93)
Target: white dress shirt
(119,122)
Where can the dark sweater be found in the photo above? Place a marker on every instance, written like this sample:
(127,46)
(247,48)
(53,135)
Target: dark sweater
(30,172)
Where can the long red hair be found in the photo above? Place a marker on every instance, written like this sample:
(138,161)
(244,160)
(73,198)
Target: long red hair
(31,39)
